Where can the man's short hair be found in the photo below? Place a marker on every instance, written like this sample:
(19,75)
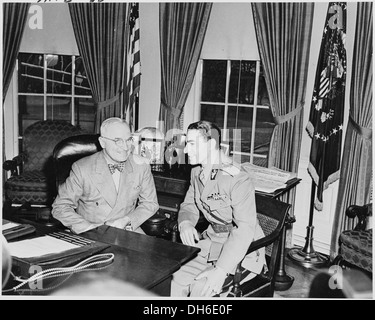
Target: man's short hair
(208,130)
(109,121)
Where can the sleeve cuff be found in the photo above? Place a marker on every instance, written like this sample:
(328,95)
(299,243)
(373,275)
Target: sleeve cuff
(184,223)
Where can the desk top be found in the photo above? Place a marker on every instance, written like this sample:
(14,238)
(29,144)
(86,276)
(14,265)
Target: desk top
(143,243)
(138,259)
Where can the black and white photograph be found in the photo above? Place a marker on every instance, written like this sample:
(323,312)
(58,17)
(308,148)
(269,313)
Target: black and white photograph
(187,156)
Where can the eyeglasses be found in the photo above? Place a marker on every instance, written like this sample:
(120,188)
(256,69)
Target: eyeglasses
(119,142)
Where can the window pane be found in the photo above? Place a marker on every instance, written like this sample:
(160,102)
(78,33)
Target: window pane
(263,98)
(30,110)
(214,80)
(30,70)
(81,84)
(85,113)
(240,118)
(58,108)
(263,162)
(213,113)
(244,73)
(263,131)
(58,79)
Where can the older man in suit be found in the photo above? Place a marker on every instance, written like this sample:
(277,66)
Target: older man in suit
(226,197)
(112,187)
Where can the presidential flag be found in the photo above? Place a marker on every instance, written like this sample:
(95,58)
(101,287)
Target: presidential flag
(327,105)
(133,67)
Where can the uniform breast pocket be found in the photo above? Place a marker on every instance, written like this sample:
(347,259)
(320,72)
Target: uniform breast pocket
(219,203)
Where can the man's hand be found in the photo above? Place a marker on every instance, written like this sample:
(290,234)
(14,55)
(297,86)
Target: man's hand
(188,234)
(215,280)
(119,223)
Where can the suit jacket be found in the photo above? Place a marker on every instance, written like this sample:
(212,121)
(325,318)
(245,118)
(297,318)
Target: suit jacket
(227,197)
(88,198)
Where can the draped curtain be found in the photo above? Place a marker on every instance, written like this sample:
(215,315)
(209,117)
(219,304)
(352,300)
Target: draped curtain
(182,30)
(14,21)
(100,30)
(284,34)
(356,170)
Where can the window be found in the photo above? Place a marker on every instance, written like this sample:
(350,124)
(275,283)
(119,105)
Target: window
(52,86)
(234,96)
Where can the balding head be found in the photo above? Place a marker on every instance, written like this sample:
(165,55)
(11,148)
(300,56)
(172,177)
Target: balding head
(110,122)
(115,139)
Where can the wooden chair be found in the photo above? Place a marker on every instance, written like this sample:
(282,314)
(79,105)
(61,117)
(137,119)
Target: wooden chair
(271,215)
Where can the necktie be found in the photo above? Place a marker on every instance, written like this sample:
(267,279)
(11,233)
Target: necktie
(119,167)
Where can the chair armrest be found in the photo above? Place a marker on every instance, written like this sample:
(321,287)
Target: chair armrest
(10,165)
(14,164)
(263,242)
(361,212)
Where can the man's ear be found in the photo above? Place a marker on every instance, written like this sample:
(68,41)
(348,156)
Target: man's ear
(212,143)
(102,143)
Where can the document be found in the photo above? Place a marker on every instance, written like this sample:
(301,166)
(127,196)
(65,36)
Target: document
(8,225)
(39,246)
(268,180)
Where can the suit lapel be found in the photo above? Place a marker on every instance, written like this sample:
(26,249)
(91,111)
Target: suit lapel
(104,181)
(125,180)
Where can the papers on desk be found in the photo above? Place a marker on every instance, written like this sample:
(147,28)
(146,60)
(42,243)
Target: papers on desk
(8,225)
(12,230)
(39,246)
(268,180)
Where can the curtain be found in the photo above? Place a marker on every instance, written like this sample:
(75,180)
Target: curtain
(356,170)
(100,30)
(14,21)
(283,33)
(182,30)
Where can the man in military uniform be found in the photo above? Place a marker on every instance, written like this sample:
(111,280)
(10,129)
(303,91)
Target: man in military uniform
(226,197)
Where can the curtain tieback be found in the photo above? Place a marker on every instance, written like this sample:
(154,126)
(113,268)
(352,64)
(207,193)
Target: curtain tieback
(366,133)
(102,104)
(286,117)
(174,111)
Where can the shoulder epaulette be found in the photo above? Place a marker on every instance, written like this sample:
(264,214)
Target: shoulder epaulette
(231,169)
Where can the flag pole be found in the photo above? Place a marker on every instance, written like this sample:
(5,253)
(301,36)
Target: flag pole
(307,256)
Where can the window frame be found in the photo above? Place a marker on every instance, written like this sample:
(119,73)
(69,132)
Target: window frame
(72,96)
(255,106)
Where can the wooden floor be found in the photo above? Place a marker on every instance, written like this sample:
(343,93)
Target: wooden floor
(356,283)
(302,280)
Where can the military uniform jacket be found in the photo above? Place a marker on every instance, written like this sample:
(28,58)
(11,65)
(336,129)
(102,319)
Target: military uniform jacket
(227,197)
(88,198)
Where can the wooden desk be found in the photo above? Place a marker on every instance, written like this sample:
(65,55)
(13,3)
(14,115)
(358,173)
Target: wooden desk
(143,243)
(145,261)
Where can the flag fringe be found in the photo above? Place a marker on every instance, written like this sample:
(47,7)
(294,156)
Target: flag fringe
(314,176)
(310,129)
(318,205)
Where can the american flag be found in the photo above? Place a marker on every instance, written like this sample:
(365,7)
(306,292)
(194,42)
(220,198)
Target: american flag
(133,67)
(327,105)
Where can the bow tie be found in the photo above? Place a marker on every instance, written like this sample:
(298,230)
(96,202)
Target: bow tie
(120,167)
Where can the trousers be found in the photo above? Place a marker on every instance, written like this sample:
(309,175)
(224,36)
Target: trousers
(183,282)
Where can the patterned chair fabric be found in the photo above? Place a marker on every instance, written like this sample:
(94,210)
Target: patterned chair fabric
(36,183)
(356,244)
(356,248)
